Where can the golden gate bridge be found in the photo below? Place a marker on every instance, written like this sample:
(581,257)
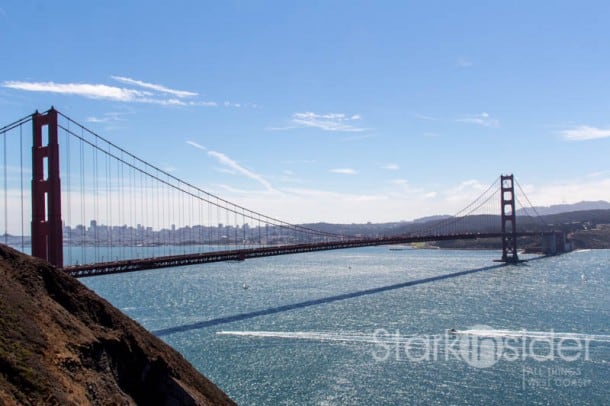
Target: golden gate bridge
(143,217)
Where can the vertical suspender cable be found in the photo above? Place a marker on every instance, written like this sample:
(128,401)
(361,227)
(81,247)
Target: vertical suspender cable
(5,191)
(121,210)
(68,177)
(143,211)
(109,202)
(82,202)
(21,186)
(95,206)
(210,225)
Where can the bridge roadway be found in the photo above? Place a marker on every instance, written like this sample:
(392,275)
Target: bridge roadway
(133,265)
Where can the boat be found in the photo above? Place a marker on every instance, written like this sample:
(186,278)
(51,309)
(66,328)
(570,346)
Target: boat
(245,286)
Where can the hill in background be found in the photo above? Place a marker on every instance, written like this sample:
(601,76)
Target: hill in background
(566,208)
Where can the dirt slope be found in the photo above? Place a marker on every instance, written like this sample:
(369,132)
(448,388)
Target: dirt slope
(62,344)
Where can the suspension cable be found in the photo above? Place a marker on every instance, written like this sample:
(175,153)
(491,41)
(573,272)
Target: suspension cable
(280,223)
(530,204)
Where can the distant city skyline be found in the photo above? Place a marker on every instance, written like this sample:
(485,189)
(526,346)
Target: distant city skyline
(337,111)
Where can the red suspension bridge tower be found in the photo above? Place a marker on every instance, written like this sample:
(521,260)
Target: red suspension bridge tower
(47,238)
(509,227)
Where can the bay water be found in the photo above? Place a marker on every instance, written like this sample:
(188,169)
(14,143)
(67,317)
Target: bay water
(374,326)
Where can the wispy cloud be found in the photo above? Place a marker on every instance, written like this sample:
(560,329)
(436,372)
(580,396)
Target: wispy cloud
(299,161)
(583,133)
(94,91)
(598,174)
(470,184)
(196,145)
(109,117)
(359,137)
(154,86)
(483,119)
(344,171)
(391,167)
(228,162)
(420,116)
(464,62)
(327,122)
(145,92)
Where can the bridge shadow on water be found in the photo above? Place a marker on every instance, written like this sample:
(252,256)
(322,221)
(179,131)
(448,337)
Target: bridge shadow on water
(315,302)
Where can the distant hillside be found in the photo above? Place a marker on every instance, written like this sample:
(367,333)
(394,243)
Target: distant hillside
(565,208)
(61,344)
(431,218)
(581,223)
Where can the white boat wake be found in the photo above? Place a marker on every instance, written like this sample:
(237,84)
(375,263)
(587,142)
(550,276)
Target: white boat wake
(535,335)
(383,336)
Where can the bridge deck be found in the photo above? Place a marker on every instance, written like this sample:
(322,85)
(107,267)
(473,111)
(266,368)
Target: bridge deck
(133,265)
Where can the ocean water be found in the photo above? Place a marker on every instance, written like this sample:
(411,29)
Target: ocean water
(369,326)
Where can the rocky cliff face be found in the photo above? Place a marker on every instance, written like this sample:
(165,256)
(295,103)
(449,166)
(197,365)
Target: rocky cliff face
(62,344)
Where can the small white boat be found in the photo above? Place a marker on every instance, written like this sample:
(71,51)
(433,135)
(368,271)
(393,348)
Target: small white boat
(245,286)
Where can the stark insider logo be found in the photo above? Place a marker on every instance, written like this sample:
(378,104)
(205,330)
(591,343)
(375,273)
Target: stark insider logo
(481,346)
(480,351)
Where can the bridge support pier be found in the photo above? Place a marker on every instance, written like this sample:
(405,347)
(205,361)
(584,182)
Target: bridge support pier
(555,243)
(509,226)
(47,233)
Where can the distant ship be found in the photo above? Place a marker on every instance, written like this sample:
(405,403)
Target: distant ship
(400,248)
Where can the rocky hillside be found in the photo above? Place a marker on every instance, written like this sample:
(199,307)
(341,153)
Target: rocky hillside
(61,344)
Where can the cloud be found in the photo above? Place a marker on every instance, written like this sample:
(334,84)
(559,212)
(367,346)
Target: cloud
(315,193)
(109,117)
(233,165)
(569,191)
(464,63)
(327,122)
(584,133)
(153,86)
(391,167)
(94,91)
(359,137)
(422,116)
(299,161)
(470,184)
(204,103)
(598,174)
(196,145)
(148,93)
(483,119)
(344,171)
(465,192)
(399,181)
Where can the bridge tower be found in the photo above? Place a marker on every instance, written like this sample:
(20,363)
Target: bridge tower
(47,236)
(509,227)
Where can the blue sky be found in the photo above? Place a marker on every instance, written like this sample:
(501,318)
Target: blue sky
(343,111)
